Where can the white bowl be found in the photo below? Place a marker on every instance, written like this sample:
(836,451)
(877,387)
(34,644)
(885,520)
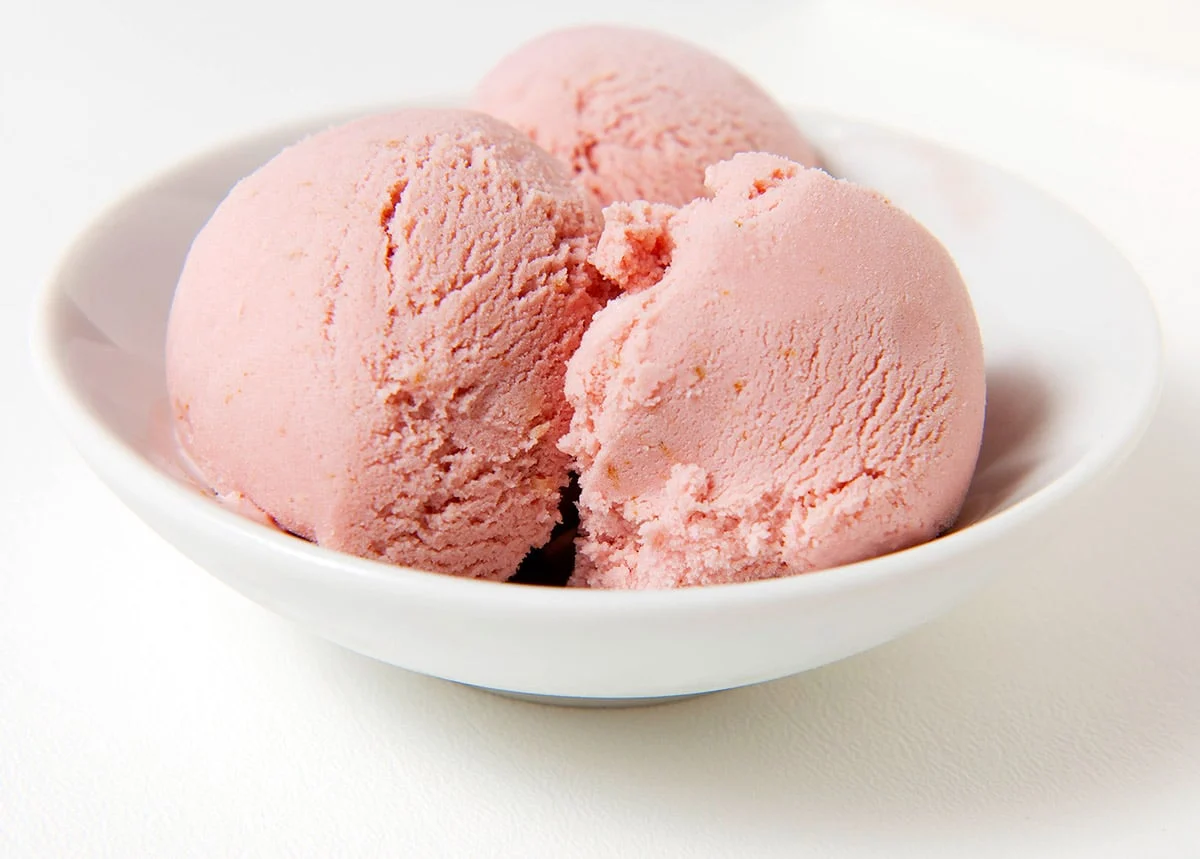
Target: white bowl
(1074,369)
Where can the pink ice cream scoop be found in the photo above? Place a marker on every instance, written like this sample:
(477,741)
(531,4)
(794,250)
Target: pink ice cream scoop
(793,380)
(636,115)
(369,338)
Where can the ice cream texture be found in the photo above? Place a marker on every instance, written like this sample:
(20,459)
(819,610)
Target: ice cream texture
(636,114)
(793,380)
(369,337)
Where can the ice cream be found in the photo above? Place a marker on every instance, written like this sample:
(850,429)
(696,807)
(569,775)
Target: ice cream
(381,338)
(635,114)
(369,337)
(793,380)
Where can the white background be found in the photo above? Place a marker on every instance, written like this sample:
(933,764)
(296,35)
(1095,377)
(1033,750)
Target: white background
(147,710)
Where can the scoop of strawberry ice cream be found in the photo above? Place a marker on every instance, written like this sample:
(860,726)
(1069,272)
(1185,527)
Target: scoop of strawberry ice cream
(636,115)
(795,382)
(368,340)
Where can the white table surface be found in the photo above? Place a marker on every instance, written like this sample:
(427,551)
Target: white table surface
(147,710)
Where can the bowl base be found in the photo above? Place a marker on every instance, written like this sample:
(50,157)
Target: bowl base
(589,703)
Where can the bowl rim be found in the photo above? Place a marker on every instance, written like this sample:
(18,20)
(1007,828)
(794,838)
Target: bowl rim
(97,442)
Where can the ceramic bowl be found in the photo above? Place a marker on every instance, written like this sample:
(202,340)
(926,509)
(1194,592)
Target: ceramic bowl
(1073,364)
